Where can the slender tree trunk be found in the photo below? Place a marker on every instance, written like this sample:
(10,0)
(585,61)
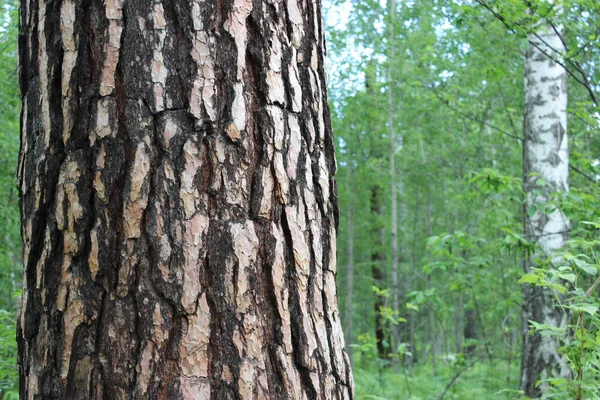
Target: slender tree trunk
(412,343)
(178,204)
(433,337)
(349,268)
(406,331)
(470,331)
(433,334)
(378,274)
(545,172)
(392,156)
(458,320)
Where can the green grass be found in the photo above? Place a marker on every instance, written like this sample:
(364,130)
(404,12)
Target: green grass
(485,380)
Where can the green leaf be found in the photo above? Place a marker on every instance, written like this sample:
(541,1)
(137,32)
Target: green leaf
(591,309)
(530,278)
(558,287)
(547,330)
(569,277)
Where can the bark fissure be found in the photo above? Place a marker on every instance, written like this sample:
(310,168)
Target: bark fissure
(298,341)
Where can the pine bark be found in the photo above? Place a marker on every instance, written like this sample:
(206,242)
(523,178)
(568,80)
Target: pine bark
(545,172)
(178,204)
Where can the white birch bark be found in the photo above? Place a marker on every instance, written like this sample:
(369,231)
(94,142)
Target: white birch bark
(393,189)
(546,172)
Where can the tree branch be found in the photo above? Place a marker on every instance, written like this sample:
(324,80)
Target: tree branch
(583,174)
(456,376)
(472,118)
(585,82)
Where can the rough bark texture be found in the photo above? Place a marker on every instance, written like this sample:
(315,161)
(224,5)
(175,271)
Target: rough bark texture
(178,204)
(546,171)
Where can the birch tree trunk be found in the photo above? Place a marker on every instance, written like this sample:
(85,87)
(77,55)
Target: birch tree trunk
(545,172)
(178,204)
(392,158)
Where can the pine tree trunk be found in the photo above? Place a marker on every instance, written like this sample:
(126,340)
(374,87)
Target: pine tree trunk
(545,172)
(178,205)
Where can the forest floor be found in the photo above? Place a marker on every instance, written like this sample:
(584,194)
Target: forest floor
(483,380)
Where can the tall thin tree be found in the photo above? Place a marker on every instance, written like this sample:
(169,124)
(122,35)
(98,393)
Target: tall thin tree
(391,6)
(545,172)
(349,269)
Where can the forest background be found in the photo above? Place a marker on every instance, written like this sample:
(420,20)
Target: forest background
(427,105)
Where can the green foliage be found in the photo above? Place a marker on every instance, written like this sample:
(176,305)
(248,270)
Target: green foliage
(10,238)
(457,84)
(482,381)
(8,361)
(581,337)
